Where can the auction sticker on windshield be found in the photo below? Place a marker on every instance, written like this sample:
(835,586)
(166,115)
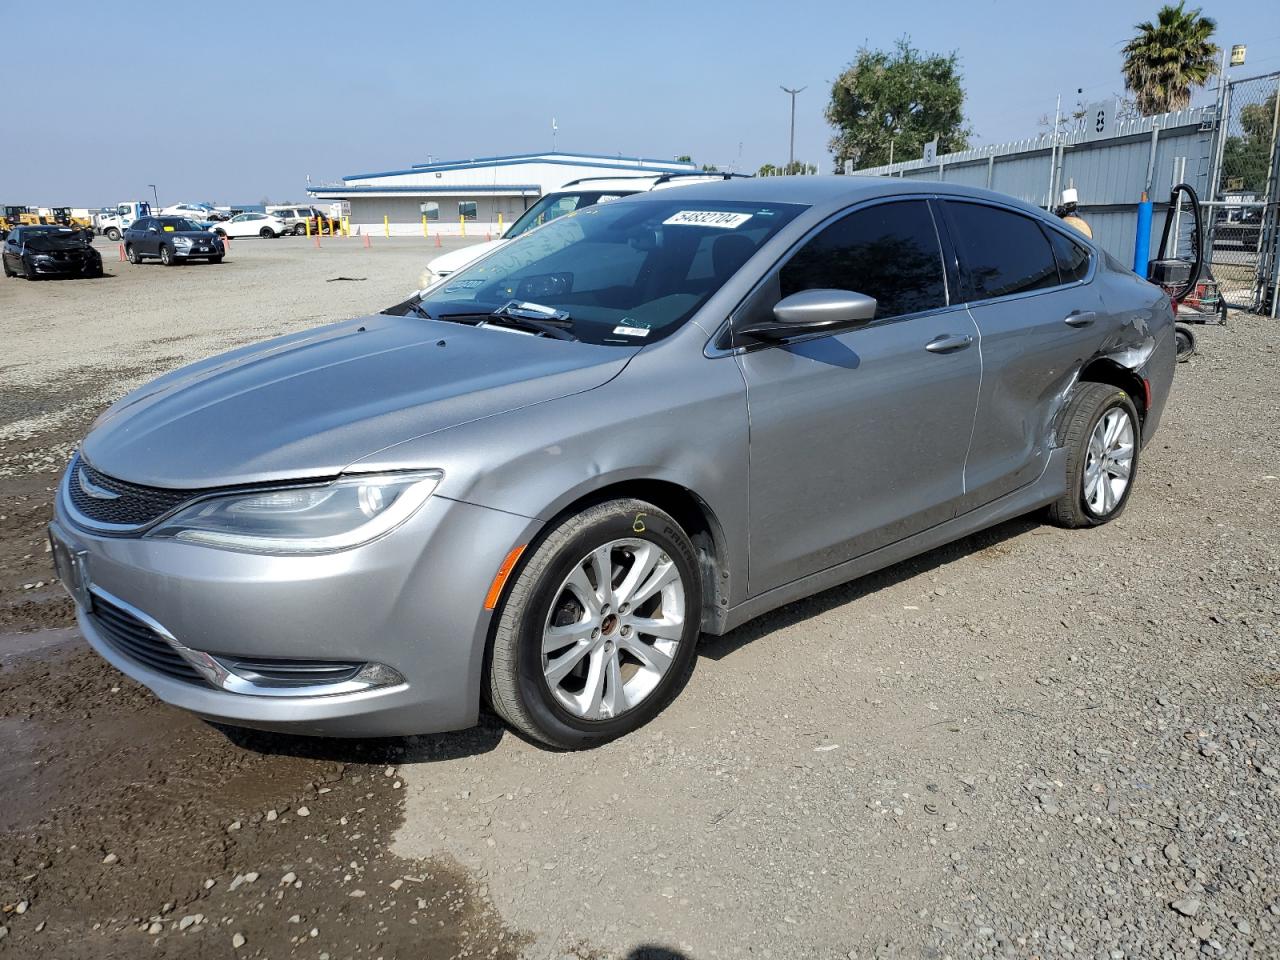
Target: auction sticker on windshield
(707,218)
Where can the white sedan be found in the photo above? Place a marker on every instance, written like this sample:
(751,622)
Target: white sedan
(251,225)
(193,211)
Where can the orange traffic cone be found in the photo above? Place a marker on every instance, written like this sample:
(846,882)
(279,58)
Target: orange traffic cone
(437,239)
(122,256)
(366,241)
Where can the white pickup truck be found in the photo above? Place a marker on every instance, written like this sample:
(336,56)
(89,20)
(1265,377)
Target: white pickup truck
(113,225)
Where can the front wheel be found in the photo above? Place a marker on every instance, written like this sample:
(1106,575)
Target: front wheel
(132,255)
(1102,438)
(299,230)
(600,628)
(166,256)
(266,233)
(215,259)
(113,234)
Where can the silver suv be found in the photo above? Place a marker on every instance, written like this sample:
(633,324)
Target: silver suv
(536,486)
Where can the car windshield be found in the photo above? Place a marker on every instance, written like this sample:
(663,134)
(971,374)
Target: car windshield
(554,206)
(624,273)
(49,232)
(179,224)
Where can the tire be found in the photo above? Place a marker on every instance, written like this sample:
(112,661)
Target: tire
(1086,505)
(166,256)
(215,259)
(132,255)
(299,230)
(220,232)
(5,264)
(29,272)
(518,688)
(266,233)
(113,234)
(1185,342)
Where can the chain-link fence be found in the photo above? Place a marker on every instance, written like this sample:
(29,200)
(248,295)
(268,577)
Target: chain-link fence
(1242,213)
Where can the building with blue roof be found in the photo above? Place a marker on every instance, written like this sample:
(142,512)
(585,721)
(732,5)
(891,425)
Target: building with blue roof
(484,193)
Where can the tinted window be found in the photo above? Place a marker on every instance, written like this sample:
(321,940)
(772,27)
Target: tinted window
(1003,252)
(889,251)
(1073,259)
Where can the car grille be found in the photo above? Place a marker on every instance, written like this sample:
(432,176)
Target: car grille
(135,505)
(134,639)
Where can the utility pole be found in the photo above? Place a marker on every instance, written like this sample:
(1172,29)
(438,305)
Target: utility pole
(791,157)
(156,195)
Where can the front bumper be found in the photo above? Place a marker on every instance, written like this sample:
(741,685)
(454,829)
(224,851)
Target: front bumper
(412,600)
(199,252)
(67,268)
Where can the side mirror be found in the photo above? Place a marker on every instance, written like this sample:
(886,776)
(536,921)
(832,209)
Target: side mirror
(814,311)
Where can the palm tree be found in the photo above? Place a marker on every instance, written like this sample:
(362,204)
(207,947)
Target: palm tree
(1169,57)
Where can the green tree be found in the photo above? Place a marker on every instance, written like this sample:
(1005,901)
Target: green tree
(1245,157)
(794,168)
(768,170)
(1168,58)
(710,168)
(900,96)
(684,158)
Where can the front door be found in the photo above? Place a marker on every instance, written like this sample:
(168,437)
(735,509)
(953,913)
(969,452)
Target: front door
(858,439)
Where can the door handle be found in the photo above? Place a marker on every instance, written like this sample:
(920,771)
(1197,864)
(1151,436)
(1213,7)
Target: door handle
(948,343)
(1081,318)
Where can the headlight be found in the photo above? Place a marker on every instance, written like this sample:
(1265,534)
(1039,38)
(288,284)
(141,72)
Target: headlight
(319,519)
(182,241)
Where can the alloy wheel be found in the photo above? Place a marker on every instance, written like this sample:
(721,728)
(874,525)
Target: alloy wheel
(1110,461)
(613,629)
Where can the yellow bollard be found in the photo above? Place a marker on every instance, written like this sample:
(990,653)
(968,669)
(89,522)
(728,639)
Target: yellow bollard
(386,225)
(499,224)
(462,224)
(424,226)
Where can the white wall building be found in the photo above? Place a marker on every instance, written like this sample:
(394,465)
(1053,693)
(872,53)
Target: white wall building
(472,192)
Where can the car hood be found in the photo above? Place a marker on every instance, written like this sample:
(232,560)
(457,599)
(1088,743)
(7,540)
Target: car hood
(455,260)
(309,404)
(43,245)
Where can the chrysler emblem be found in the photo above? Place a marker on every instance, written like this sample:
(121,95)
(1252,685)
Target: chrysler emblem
(91,489)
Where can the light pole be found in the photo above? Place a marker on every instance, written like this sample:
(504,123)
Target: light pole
(155,195)
(791,157)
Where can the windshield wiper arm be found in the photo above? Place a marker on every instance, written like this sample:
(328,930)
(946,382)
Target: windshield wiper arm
(544,320)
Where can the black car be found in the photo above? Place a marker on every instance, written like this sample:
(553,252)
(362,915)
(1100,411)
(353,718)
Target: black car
(49,251)
(171,239)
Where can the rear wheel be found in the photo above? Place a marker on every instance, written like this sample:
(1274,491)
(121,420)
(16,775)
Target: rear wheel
(1102,438)
(599,630)
(299,230)
(266,233)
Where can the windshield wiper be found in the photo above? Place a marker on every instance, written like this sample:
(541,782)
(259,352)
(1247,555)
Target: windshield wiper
(534,317)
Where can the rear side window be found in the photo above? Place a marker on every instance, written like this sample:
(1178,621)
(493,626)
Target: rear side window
(1073,259)
(889,251)
(1003,252)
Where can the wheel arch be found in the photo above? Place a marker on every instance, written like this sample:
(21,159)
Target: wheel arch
(693,514)
(1108,371)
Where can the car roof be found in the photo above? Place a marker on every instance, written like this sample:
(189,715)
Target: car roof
(827,191)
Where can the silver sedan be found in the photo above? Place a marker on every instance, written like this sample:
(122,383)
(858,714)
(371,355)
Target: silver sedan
(645,421)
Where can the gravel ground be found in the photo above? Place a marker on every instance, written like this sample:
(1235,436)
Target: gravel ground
(1031,743)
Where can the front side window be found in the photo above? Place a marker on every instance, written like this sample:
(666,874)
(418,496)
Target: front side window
(626,273)
(468,209)
(1003,252)
(888,251)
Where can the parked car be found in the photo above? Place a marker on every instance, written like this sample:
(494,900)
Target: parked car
(538,484)
(252,225)
(49,251)
(171,240)
(296,218)
(194,211)
(575,195)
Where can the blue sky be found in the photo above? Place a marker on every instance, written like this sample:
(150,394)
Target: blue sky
(234,101)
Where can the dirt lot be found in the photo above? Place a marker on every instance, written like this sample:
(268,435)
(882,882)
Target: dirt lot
(1032,743)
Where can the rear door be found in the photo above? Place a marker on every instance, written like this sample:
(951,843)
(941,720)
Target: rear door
(858,438)
(1038,321)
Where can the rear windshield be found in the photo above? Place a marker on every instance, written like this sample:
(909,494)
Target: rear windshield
(628,272)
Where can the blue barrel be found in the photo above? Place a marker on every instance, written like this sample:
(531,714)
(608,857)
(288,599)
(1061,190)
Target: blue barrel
(1142,243)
